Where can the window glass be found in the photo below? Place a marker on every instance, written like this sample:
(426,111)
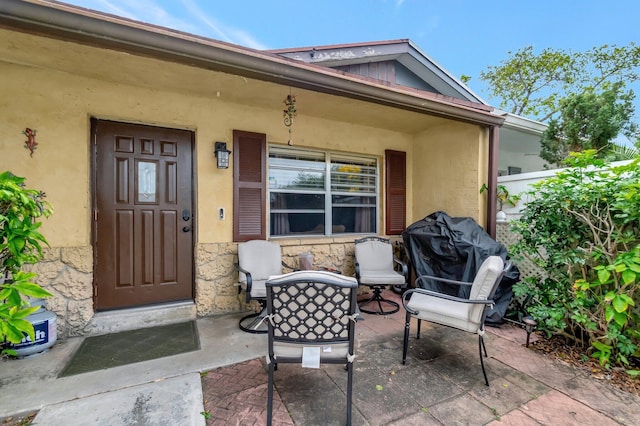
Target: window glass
(353,175)
(147,177)
(295,169)
(318,193)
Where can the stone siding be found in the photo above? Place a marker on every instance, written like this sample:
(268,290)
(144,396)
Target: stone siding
(67,272)
(217,279)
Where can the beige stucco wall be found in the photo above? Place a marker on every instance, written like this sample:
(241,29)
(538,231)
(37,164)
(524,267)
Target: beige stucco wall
(449,167)
(60,106)
(51,97)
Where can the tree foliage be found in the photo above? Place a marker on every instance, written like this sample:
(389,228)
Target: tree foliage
(589,120)
(534,84)
(582,228)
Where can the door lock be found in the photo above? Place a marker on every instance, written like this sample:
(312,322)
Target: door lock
(186,214)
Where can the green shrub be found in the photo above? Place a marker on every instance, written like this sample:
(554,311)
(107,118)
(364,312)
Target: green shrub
(20,243)
(582,228)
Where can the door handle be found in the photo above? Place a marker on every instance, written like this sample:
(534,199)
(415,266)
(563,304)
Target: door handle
(186,215)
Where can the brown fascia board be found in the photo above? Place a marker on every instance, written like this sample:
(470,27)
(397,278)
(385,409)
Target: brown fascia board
(70,23)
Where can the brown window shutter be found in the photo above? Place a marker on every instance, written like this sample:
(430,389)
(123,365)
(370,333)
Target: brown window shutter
(395,191)
(249,186)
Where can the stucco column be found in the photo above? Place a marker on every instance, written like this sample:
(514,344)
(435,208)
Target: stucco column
(492,179)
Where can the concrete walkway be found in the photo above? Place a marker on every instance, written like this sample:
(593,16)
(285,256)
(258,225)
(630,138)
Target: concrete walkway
(441,384)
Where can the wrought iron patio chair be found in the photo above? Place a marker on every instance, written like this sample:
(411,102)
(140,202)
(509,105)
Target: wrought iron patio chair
(375,269)
(311,319)
(257,261)
(460,313)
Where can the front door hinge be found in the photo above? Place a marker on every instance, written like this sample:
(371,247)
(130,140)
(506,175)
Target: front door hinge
(95,291)
(95,215)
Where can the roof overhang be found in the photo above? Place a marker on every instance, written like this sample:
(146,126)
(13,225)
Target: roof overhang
(523,124)
(58,20)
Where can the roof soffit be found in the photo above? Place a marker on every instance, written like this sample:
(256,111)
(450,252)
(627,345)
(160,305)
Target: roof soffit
(57,58)
(52,19)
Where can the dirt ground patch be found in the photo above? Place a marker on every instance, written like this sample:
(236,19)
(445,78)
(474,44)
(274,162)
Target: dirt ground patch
(562,349)
(25,420)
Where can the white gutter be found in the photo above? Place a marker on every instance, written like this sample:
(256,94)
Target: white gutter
(522,124)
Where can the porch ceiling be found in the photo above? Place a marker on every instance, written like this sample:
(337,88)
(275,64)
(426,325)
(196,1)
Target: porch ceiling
(126,68)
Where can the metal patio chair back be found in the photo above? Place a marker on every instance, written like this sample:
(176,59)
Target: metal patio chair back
(257,261)
(311,321)
(375,269)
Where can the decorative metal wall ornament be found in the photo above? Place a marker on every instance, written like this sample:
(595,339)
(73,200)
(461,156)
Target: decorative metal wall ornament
(30,143)
(289,113)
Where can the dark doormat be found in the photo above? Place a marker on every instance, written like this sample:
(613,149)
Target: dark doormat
(128,347)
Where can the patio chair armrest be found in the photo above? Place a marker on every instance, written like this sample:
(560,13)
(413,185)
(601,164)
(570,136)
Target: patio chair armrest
(405,269)
(249,280)
(441,296)
(443,280)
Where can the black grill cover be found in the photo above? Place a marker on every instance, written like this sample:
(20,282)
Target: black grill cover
(454,248)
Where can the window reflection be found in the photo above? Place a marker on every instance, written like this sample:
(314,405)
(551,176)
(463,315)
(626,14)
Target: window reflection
(146,182)
(319,193)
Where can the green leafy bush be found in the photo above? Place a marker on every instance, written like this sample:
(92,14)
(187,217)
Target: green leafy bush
(20,243)
(582,228)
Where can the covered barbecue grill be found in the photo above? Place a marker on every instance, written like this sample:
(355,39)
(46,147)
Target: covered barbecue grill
(454,248)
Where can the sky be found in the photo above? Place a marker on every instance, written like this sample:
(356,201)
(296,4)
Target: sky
(463,36)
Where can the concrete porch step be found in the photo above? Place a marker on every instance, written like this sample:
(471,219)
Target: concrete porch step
(143,317)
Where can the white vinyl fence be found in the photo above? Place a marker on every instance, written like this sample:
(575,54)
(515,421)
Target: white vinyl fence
(521,183)
(518,185)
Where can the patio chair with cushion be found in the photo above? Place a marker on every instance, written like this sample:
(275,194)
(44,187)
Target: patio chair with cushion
(460,313)
(311,320)
(257,261)
(375,269)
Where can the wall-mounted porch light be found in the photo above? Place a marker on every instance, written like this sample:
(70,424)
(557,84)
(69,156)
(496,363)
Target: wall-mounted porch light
(222,154)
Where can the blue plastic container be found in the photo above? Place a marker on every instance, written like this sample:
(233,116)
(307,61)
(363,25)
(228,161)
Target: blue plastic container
(45,328)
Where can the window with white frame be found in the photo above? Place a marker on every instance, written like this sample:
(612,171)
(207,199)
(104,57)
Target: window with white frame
(321,193)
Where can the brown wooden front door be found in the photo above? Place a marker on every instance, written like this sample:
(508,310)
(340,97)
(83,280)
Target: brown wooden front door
(143,214)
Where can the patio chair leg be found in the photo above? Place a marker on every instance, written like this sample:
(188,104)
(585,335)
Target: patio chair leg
(405,345)
(257,320)
(349,391)
(484,347)
(419,325)
(377,298)
(480,346)
(270,395)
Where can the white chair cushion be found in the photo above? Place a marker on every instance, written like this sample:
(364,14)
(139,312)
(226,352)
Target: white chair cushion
(381,278)
(486,277)
(375,259)
(261,258)
(294,350)
(258,288)
(464,316)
